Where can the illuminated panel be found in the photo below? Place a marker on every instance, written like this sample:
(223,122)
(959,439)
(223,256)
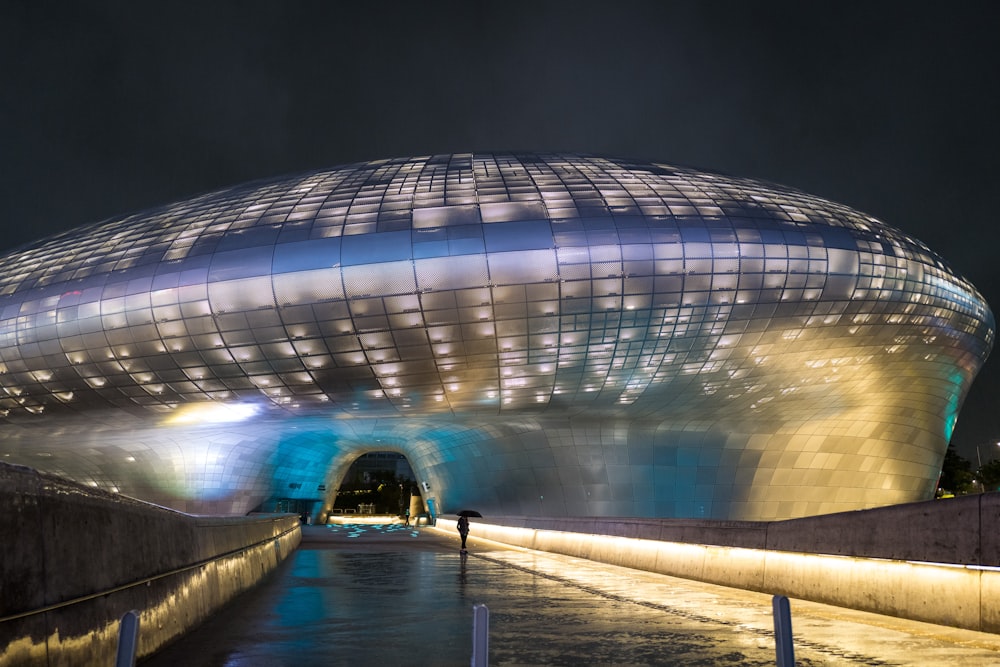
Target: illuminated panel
(539,334)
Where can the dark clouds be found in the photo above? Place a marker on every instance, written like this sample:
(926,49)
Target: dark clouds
(109,107)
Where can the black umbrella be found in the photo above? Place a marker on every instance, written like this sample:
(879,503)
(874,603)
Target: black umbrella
(469,513)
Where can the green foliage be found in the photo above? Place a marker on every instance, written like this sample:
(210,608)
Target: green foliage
(957,476)
(989,475)
(388,493)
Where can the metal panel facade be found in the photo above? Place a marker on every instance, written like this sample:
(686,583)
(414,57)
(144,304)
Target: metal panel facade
(539,334)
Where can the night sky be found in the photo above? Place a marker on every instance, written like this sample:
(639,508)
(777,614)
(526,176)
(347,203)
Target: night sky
(111,107)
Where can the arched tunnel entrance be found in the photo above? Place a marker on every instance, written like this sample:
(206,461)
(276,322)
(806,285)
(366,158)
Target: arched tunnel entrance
(376,483)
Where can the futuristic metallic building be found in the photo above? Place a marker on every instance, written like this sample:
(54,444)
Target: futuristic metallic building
(538,334)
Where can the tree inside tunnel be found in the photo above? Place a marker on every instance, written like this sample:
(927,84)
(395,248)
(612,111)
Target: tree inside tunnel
(377,483)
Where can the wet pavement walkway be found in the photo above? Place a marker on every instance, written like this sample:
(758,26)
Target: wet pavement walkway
(396,595)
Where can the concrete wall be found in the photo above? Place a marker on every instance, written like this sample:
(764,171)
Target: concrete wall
(73,560)
(936,561)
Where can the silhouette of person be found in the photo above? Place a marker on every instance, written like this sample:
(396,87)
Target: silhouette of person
(463,529)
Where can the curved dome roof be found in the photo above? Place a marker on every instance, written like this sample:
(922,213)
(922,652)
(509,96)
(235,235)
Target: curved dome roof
(414,281)
(538,334)
(413,194)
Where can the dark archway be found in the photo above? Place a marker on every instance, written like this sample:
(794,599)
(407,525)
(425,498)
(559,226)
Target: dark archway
(378,482)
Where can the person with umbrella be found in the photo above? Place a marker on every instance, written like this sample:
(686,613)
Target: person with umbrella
(463,525)
(463,530)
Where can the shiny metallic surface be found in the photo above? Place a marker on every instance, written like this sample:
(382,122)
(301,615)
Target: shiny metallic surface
(549,335)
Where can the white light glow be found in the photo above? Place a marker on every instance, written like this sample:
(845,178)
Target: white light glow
(212,413)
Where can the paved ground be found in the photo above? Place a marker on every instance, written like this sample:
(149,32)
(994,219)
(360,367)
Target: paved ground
(392,595)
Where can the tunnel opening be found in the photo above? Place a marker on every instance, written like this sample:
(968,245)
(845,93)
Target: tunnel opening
(379,482)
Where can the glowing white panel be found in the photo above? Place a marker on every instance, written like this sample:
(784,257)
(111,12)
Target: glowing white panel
(306,287)
(237,295)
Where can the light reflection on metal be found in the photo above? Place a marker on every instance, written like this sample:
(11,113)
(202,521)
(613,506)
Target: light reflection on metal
(620,338)
(211,413)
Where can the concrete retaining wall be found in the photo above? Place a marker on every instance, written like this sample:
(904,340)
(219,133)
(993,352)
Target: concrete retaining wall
(73,560)
(937,561)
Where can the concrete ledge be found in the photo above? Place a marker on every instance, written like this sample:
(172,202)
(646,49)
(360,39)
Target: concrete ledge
(936,562)
(83,558)
(956,530)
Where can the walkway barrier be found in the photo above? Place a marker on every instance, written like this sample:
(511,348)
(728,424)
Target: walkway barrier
(128,639)
(783,631)
(877,560)
(784,649)
(480,635)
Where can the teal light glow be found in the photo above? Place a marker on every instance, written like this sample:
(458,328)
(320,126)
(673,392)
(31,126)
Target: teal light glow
(956,380)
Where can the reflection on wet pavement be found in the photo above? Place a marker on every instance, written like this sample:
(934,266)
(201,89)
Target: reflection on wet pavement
(395,595)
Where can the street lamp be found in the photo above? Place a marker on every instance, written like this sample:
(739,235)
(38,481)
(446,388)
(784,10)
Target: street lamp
(979,455)
(979,471)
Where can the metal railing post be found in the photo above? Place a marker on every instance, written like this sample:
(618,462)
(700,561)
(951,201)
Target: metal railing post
(128,639)
(480,635)
(783,631)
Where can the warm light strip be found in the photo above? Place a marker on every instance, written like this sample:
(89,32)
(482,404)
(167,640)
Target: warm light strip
(905,589)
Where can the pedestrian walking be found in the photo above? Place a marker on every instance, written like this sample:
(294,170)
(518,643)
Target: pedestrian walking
(463,529)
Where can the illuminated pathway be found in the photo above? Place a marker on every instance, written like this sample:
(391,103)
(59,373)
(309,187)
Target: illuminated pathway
(391,595)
